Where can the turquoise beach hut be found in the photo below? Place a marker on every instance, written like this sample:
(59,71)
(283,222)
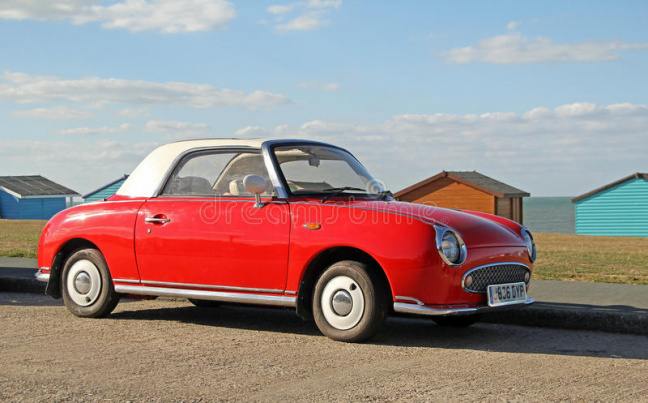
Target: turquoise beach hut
(616,209)
(105,191)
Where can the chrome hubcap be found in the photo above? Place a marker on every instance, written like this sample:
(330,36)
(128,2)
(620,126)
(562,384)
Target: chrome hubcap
(83,283)
(342,303)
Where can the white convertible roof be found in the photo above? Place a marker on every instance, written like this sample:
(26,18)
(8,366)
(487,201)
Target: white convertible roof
(149,174)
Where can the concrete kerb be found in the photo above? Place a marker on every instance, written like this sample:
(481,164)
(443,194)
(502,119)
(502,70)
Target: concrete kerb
(617,308)
(21,285)
(552,309)
(564,316)
(17,275)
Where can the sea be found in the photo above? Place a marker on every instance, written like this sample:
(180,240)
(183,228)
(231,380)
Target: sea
(549,214)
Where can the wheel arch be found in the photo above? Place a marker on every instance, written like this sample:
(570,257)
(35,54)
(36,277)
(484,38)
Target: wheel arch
(325,259)
(70,246)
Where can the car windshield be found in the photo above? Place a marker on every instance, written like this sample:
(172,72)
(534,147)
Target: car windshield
(313,169)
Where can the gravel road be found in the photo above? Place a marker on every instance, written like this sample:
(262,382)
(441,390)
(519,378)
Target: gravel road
(168,350)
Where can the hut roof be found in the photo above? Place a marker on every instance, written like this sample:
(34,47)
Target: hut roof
(121,178)
(473,179)
(636,175)
(34,186)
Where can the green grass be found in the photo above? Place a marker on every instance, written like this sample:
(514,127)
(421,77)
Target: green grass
(19,238)
(591,258)
(560,256)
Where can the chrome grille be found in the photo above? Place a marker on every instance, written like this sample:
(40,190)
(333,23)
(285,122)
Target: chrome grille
(494,274)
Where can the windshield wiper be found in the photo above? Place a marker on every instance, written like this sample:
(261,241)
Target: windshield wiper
(338,191)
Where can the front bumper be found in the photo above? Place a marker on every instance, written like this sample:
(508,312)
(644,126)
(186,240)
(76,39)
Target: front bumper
(417,309)
(42,276)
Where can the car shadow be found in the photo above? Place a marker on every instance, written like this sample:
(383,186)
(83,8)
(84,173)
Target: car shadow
(36,299)
(414,332)
(245,317)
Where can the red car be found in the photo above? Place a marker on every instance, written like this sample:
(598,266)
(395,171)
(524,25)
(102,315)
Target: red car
(290,223)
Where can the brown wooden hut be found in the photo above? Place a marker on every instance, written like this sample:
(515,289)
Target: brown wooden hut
(467,190)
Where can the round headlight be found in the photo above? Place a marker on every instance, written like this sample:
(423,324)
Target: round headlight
(530,245)
(450,246)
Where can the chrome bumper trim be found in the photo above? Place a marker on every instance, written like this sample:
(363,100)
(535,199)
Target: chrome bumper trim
(121,280)
(214,287)
(414,300)
(427,311)
(210,295)
(42,277)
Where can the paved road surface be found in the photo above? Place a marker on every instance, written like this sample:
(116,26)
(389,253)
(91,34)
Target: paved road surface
(169,350)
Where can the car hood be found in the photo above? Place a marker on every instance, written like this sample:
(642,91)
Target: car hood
(476,231)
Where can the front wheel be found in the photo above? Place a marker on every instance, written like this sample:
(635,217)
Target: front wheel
(349,302)
(88,289)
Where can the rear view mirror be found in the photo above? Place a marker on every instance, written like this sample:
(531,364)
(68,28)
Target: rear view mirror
(256,185)
(314,161)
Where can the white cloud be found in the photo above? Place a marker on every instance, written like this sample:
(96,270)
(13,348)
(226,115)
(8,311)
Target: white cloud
(324,3)
(80,163)
(537,113)
(564,150)
(176,130)
(54,113)
(513,48)
(92,131)
(24,88)
(316,85)
(166,16)
(306,15)
(578,109)
(310,21)
(133,113)
(43,9)
(512,25)
(175,126)
(628,109)
(281,9)
(253,132)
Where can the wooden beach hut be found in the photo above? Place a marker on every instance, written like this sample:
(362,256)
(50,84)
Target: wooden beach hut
(619,208)
(467,190)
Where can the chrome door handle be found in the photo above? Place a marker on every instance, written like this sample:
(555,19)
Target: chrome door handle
(155,220)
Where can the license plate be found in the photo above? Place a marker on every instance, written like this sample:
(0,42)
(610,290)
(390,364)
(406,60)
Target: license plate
(506,294)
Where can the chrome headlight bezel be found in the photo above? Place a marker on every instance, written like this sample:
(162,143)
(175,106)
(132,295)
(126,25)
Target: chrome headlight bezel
(530,243)
(443,233)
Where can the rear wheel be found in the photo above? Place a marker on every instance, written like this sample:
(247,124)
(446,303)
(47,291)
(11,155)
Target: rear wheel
(88,289)
(456,321)
(349,302)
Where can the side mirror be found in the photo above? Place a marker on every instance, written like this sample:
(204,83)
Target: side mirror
(256,185)
(314,161)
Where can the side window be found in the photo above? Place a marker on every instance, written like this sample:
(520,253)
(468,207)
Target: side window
(216,173)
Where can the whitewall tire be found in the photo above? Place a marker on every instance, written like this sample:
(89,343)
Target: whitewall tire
(87,286)
(349,302)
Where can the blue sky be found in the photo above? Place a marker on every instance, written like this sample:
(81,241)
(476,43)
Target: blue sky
(549,97)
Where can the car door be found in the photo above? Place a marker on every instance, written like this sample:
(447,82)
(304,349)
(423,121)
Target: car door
(204,231)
